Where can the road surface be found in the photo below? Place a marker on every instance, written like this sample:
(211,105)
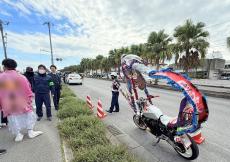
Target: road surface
(216,130)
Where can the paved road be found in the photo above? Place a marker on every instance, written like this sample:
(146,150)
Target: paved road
(216,130)
(45,148)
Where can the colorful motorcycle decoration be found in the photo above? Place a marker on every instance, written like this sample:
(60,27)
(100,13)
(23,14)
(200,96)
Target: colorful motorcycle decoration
(193,109)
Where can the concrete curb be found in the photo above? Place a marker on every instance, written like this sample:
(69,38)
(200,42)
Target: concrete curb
(68,153)
(205,92)
(132,146)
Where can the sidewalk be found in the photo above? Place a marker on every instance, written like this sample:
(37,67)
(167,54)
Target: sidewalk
(45,148)
(212,83)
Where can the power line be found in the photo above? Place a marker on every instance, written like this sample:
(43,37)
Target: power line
(210,26)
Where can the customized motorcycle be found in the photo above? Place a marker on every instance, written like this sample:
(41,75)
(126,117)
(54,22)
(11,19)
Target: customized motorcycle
(176,131)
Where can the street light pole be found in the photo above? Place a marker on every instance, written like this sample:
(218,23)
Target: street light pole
(3,40)
(51,48)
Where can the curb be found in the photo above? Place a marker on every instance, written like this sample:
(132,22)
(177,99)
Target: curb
(68,153)
(205,92)
(132,146)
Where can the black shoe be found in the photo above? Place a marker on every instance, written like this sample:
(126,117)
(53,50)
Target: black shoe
(2,151)
(115,110)
(39,118)
(108,111)
(49,118)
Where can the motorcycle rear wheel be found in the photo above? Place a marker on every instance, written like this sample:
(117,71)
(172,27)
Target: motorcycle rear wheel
(139,122)
(191,153)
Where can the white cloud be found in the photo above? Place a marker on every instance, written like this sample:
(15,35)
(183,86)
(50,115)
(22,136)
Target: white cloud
(111,24)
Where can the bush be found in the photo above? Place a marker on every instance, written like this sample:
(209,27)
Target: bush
(70,127)
(89,138)
(70,110)
(66,92)
(83,131)
(68,99)
(102,153)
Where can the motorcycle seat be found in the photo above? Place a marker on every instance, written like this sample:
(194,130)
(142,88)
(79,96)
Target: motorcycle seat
(172,123)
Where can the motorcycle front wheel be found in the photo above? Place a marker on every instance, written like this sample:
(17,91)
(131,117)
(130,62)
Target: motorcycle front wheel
(139,122)
(190,153)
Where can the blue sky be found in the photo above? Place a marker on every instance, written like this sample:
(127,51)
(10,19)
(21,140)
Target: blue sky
(88,28)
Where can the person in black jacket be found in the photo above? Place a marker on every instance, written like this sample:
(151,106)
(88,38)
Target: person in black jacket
(57,85)
(29,74)
(43,84)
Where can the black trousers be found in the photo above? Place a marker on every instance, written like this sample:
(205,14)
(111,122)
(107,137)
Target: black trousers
(56,97)
(41,98)
(114,102)
(3,120)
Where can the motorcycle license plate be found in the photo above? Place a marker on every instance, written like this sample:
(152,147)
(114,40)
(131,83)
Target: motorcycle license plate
(186,141)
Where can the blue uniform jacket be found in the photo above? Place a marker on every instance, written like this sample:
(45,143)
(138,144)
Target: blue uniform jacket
(56,80)
(43,84)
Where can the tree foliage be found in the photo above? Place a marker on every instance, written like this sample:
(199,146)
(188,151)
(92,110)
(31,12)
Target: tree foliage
(189,46)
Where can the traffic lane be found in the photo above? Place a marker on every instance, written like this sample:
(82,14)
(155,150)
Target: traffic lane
(215,148)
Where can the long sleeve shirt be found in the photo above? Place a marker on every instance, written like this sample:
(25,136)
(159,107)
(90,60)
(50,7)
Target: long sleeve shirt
(15,93)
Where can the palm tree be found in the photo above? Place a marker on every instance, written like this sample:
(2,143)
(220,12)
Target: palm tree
(105,65)
(112,58)
(191,37)
(134,49)
(98,62)
(159,49)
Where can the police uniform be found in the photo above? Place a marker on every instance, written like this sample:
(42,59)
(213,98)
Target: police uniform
(115,95)
(43,84)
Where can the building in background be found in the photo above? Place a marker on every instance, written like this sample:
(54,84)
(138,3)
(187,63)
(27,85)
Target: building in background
(225,73)
(208,69)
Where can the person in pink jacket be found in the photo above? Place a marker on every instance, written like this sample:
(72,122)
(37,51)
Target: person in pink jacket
(16,101)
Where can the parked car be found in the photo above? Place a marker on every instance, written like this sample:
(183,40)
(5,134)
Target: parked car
(74,79)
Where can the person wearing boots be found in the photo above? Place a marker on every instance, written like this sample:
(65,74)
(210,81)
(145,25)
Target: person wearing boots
(43,84)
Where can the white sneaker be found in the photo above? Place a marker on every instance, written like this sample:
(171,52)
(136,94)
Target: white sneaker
(19,137)
(33,134)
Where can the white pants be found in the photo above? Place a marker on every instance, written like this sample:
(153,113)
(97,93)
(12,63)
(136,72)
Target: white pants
(16,123)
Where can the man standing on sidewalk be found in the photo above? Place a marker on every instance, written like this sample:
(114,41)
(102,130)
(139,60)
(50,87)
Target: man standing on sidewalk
(115,94)
(57,85)
(43,84)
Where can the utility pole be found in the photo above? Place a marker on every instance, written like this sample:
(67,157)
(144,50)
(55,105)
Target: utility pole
(51,48)
(3,37)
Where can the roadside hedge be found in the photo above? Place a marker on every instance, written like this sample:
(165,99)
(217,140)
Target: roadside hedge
(85,133)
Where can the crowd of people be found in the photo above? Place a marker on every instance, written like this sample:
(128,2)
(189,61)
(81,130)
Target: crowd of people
(17,93)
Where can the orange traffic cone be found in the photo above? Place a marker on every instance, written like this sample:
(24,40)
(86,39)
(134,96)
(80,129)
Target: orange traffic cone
(100,113)
(89,102)
(197,137)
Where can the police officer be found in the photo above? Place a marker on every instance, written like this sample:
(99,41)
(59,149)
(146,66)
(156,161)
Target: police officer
(115,94)
(57,85)
(43,84)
